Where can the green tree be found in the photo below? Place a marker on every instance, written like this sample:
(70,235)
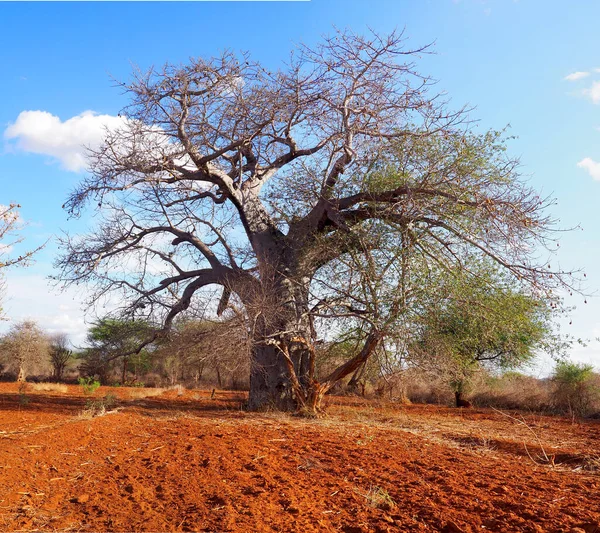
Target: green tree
(483,320)
(575,390)
(110,340)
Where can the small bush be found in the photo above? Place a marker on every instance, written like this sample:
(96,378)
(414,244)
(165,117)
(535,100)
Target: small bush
(422,387)
(138,394)
(100,406)
(513,391)
(89,385)
(378,498)
(179,388)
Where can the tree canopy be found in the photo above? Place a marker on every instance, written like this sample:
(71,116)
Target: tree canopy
(483,320)
(110,340)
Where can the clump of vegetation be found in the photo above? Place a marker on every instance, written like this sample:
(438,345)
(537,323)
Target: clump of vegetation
(575,390)
(89,385)
(378,497)
(99,406)
(179,388)
(513,390)
(139,393)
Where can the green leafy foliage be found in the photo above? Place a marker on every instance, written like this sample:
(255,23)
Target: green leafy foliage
(113,340)
(575,388)
(482,319)
(572,374)
(89,385)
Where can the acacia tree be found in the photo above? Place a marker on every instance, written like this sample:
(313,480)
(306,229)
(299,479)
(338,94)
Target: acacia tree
(264,181)
(110,340)
(481,321)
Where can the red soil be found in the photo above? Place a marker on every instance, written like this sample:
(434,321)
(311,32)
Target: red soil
(188,463)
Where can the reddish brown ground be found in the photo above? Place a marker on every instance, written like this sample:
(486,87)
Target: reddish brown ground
(188,463)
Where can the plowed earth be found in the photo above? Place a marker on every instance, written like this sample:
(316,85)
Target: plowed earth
(181,461)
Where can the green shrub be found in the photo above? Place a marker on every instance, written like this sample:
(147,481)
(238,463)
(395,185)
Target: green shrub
(89,385)
(99,406)
(575,391)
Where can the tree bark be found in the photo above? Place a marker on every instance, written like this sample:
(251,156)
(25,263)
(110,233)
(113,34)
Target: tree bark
(219,379)
(270,386)
(271,373)
(355,381)
(460,399)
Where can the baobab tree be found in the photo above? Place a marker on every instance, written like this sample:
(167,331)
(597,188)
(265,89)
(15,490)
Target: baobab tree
(294,190)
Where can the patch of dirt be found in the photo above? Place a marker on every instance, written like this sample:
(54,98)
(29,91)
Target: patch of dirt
(183,461)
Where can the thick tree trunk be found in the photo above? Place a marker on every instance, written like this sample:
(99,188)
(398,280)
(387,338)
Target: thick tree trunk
(282,336)
(271,377)
(270,386)
(355,381)
(460,399)
(22,377)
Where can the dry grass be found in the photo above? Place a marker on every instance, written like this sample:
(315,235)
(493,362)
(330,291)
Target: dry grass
(49,387)
(179,388)
(377,498)
(138,394)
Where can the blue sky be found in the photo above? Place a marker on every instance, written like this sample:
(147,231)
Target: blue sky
(509,59)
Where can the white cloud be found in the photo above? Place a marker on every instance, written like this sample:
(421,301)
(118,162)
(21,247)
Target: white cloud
(31,297)
(593,93)
(574,76)
(592,167)
(40,132)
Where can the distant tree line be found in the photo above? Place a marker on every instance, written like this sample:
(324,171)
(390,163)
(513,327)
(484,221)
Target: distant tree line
(196,353)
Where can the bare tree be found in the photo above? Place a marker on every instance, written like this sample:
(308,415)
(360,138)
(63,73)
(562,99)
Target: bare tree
(219,349)
(10,224)
(60,354)
(25,349)
(289,189)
